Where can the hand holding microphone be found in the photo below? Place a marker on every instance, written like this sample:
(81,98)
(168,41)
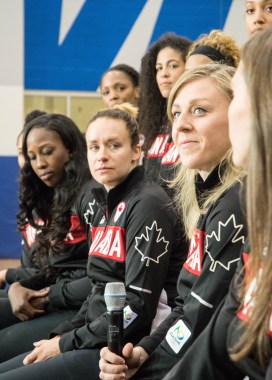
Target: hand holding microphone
(115,297)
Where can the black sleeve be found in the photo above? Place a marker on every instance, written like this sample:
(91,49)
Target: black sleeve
(70,293)
(20,274)
(151,342)
(208,356)
(76,322)
(36,282)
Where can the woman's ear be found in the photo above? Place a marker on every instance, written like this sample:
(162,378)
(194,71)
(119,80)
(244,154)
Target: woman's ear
(136,152)
(137,92)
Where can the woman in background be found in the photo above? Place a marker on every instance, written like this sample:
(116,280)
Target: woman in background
(161,66)
(258,16)
(213,47)
(120,84)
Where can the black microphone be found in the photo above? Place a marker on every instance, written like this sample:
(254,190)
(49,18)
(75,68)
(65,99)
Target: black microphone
(115,297)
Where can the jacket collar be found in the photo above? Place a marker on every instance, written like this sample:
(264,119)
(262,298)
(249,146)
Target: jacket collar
(115,195)
(213,180)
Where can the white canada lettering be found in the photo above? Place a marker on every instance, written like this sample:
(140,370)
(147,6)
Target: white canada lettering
(195,255)
(30,235)
(104,244)
(171,156)
(69,236)
(96,238)
(158,147)
(116,246)
(108,242)
(30,232)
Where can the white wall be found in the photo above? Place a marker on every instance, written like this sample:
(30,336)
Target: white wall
(11,73)
(235,22)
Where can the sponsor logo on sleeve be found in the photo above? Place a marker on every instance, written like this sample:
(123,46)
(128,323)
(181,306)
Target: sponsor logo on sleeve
(129,316)
(177,336)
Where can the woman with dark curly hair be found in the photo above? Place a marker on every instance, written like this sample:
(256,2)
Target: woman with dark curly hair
(54,171)
(161,67)
(26,269)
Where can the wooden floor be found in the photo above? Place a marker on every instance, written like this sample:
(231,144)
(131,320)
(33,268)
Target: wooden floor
(9,263)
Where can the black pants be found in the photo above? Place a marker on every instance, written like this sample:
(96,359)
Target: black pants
(18,337)
(72,365)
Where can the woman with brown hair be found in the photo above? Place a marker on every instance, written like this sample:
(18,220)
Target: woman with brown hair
(207,197)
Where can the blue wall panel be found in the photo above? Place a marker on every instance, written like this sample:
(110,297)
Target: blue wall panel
(10,245)
(97,35)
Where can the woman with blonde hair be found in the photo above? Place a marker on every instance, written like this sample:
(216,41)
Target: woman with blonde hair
(216,46)
(238,339)
(208,187)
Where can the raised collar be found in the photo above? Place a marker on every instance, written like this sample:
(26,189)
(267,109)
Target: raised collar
(115,195)
(213,180)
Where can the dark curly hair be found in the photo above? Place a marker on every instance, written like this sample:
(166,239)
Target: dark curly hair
(52,205)
(152,105)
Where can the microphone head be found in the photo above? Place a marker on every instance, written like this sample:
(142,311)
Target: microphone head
(115,296)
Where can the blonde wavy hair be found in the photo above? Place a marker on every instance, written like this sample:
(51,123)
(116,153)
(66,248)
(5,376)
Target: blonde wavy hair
(218,40)
(184,182)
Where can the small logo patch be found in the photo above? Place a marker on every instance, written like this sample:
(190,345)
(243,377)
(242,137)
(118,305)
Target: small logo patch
(119,210)
(177,336)
(129,316)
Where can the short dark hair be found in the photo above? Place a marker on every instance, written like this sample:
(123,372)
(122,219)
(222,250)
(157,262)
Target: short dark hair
(128,70)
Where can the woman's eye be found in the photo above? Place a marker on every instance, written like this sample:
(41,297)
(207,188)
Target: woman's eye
(48,152)
(269,8)
(105,93)
(199,111)
(176,115)
(114,146)
(31,158)
(249,11)
(173,66)
(93,148)
(121,88)
(158,68)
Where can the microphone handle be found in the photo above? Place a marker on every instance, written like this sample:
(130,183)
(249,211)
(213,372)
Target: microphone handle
(115,331)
